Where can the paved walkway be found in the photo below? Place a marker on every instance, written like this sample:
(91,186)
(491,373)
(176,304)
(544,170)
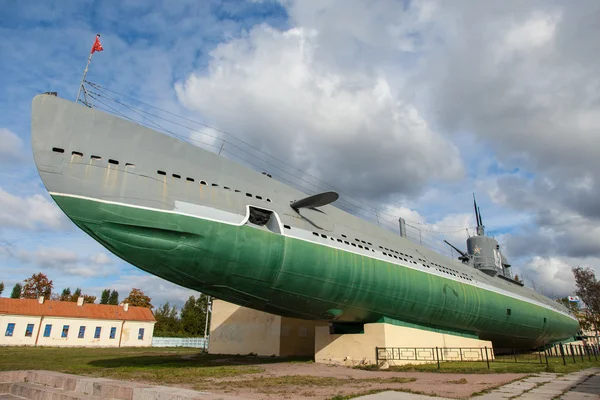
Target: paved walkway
(544,386)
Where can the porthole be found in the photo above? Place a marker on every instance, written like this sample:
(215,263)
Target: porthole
(176,176)
(77,153)
(158,172)
(343,235)
(226,188)
(58,150)
(189,179)
(259,197)
(215,185)
(248,195)
(268,200)
(129,165)
(287,227)
(315,233)
(354,244)
(324,236)
(114,162)
(96,157)
(340,240)
(203,182)
(347,242)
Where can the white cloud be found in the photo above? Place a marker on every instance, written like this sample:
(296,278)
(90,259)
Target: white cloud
(159,290)
(340,126)
(32,212)
(66,261)
(550,276)
(11,147)
(536,31)
(100,259)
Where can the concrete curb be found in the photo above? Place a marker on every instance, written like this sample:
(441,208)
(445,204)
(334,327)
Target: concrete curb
(48,385)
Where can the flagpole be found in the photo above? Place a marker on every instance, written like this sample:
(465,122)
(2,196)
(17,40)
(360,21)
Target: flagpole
(85,71)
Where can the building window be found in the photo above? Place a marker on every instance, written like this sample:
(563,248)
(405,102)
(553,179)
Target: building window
(508,311)
(141,334)
(97,333)
(47,330)
(81,332)
(65,331)
(113,332)
(9,329)
(29,330)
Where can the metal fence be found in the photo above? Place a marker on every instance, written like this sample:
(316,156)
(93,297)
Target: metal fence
(200,343)
(568,353)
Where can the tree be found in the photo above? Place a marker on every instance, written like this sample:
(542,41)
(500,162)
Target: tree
(36,286)
(76,294)
(588,290)
(16,292)
(138,298)
(167,321)
(1,288)
(114,298)
(105,296)
(65,295)
(89,299)
(193,315)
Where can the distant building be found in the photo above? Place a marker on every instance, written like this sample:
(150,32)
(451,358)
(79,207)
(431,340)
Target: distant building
(25,322)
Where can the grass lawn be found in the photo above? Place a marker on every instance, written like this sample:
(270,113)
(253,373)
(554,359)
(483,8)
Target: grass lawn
(164,365)
(176,366)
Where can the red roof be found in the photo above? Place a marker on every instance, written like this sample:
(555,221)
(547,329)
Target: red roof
(52,308)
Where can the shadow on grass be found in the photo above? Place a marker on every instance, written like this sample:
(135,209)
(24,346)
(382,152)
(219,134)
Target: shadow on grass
(191,361)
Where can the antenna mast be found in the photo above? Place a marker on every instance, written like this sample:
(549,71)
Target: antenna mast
(480,230)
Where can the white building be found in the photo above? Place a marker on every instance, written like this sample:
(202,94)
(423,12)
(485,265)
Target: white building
(25,322)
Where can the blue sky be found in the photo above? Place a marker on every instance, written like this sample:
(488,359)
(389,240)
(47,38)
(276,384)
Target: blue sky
(410,107)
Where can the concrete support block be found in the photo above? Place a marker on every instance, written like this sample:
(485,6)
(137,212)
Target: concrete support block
(359,348)
(240,330)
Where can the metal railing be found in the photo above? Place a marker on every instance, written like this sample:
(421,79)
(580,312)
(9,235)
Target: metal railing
(200,343)
(569,353)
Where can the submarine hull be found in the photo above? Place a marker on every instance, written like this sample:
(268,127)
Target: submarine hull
(186,215)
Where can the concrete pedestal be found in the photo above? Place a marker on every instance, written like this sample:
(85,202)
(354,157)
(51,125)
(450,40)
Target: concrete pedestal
(359,348)
(240,330)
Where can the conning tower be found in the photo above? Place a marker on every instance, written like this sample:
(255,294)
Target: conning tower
(483,252)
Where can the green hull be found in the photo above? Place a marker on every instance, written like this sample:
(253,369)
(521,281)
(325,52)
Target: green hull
(293,277)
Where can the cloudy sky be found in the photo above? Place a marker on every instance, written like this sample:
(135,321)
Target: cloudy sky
(407,107)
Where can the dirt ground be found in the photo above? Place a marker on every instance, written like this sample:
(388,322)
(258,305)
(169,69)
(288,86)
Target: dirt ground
(297,381)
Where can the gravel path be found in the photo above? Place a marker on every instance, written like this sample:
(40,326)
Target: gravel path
(352,381)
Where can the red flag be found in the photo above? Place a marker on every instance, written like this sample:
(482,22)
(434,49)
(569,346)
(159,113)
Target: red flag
(97,46)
